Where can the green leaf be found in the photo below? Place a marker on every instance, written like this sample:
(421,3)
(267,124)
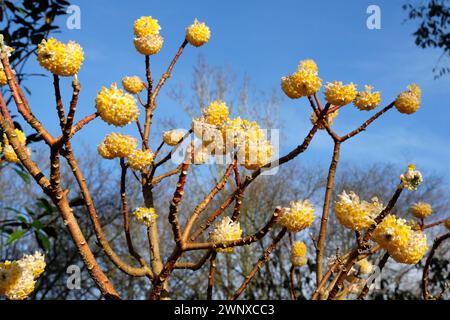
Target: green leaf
(37,225)
(25,177)
(16,235)
(43,241)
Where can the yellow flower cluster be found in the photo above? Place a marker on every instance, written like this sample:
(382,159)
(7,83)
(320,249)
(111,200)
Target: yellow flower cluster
(408,101)
(116,107)
(59,58)
(216,113)
(133,85)
(421,210)
(299,216)
(116,145)
(148,41)
(198,33)
(8,151)
(18,278)
(173,137)
(3,78)
(412,178)
(365,267)
(298,254)
(339,94)
(355,214)
(329,119)
(404,244)
(304,82)
(140,159)
(145,216)
(367,100)
(225,230)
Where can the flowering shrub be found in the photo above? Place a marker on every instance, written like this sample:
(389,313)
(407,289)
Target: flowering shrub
(217,134)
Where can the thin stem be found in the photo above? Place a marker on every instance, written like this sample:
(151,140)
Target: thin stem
(212,270)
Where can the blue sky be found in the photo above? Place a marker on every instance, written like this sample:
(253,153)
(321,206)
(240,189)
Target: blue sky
(265,40)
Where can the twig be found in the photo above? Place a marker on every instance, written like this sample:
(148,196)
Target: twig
(212,270)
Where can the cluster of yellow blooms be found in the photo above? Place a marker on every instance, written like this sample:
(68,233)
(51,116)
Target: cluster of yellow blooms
(421,210)
(225,230)
(116,107)
(8,151)
(409,101)
(140,159)
(133,84)
(367,100)
(412,178)
(145,216)
(59,58)
(217,113)
(18,278)
(403,243)
(148,41)
(3,78)
(299,216)
(198,33)
(339,94)
(304,82)
(298,254)
(365,267)
(329,118)
(354,213)
(173,137)
(116,145)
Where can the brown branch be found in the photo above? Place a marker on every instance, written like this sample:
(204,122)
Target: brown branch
(173,209)
(212,270)
(170,173)
(292,282)
(381,265)
(80,124)
(437,242)
(71,114)
(59,104)
(434,224)
(194,266)
(264,258)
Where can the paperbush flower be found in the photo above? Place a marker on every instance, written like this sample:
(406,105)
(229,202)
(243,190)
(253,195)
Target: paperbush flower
(298,254)
(116,107)
(149,45)
(257,154)
(367,100)
(412,179)
(225,230)
(116,145)
(216,113)
(304,82)
(354,213)
(413,250)
(18,278)
(3,78)
(8,151)
(140,159)
(408,101)
(20,136)
(133,84)
(339,94)
(145,26)
(299,216)
(145,216)
(308,64)
(198,33)
(173,137)
(365,267)
(329,119)
(59,58)
(421,210)
(392,233)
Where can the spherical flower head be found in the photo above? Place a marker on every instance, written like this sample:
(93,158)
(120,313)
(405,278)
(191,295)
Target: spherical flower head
(149,45)
(116,145)
(355,214)
(133,85)
(421,210)
(3,78)
(216,113)
(365,267)
(413,251)
(10,272)
(367,100)
(329,118)
(116,107)
(198,33)
(145,216)
(339,94)
(20,136)
(304,82)
(289,88)
(34,263)
(59,58)
(173,137)
(206,132)
(308,64)
(145,26)
(298,254)
(412,179)
(392,233)
(240,133)
(408,101)
(257,154)
(140,159)
(299,216)
(225,230)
